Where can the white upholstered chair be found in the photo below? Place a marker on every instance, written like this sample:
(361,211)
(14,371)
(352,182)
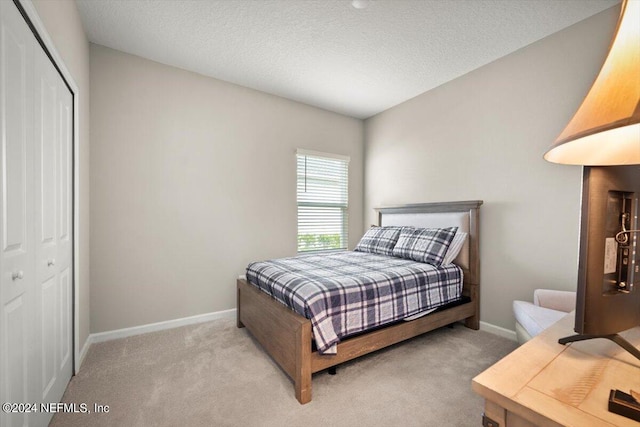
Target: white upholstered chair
(548,307)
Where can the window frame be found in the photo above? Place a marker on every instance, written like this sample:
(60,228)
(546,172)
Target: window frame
(344,207)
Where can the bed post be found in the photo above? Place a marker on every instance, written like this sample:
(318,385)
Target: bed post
(239,322)
(473,276)
(303,363)
(473,322)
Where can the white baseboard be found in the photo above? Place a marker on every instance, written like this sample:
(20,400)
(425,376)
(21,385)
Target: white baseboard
(160,326)
(497,330)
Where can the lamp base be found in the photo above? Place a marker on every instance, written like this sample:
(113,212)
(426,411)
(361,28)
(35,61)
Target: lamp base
(613,337)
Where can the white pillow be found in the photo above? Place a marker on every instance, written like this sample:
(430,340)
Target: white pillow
(454,248)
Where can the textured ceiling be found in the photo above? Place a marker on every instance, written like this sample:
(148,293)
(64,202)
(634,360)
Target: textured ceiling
(327,53)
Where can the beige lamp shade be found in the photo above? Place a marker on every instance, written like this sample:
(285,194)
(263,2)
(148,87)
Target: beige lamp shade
(606,128)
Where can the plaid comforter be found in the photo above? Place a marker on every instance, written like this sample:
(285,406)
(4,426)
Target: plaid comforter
(343,293)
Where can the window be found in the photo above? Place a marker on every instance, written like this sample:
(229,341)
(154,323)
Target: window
(322,201)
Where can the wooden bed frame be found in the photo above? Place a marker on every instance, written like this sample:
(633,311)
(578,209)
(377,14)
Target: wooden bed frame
(287,336)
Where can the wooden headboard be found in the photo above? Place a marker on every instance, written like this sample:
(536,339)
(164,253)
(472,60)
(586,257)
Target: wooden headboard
(464,215)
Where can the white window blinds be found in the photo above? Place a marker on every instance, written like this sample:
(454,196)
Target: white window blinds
(322,201)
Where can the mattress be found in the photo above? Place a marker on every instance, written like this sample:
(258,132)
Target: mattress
(345,293)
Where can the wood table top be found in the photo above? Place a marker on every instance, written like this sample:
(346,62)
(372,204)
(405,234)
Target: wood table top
(552,384)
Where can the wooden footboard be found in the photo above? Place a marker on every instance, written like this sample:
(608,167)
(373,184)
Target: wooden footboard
(360,345)
(286,335)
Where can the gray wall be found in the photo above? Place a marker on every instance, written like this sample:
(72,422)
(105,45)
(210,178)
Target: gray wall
(62,20)
(191,179)
(482,136)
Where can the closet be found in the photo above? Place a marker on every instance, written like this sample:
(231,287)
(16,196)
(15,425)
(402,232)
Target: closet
(36,134)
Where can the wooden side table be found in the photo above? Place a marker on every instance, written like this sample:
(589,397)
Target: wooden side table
(543,383)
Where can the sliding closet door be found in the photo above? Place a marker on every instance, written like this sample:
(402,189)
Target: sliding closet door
(18,378)
(35,228)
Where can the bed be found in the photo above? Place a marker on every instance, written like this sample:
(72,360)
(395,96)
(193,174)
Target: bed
(287,336)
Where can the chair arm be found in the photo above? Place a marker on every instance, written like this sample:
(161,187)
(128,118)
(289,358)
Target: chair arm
(555,300)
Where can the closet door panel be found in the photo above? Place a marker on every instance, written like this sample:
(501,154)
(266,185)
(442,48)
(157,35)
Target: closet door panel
(17,279)
(16,156)
(15,388)
(48,339)
(47,141)
(65,323)
(64,174)
(14,141)
(53,127)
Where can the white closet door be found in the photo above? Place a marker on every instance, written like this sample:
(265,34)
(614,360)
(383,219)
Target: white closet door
(35,228)
(17,376)
(52,127)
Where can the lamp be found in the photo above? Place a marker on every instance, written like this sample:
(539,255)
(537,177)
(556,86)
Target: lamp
(605,131)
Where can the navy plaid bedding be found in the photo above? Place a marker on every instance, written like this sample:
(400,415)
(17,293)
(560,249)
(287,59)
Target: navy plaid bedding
(379,240)
(344,293)
(428,245)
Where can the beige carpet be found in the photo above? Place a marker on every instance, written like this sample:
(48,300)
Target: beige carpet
(214,374)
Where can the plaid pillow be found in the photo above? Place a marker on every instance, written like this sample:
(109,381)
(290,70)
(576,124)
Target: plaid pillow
(424,244)
(379,240)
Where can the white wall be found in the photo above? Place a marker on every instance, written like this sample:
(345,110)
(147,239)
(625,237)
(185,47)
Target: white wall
(482,136)
(62,21)
(191,179)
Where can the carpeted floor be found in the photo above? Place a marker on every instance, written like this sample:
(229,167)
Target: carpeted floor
(214,374)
